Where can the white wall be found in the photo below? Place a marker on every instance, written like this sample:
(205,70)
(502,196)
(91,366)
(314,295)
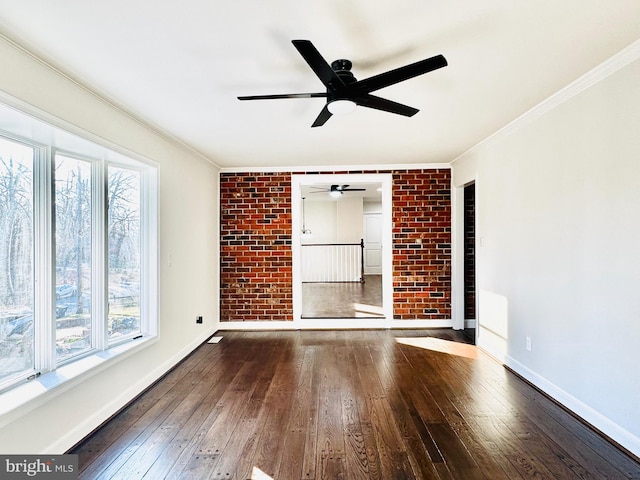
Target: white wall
(320,218)
(350,219)
(558,229)
(372,207)
(188,235)
(334,221)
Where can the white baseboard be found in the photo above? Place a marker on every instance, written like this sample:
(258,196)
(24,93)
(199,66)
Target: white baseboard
(88,425)
(470,323)
(281,325)
(335,324)
(445,323)
(608,427)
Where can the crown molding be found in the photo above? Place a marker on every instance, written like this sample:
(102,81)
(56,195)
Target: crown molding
(336,168)
(596,75)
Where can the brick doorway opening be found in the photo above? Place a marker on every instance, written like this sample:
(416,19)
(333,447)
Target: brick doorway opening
(348,218)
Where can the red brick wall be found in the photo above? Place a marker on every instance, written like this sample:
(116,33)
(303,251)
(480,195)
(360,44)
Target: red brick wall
(422,244)
(255,247)
(255,243)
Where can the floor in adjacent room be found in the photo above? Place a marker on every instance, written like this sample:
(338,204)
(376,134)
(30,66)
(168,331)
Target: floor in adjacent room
(343,299)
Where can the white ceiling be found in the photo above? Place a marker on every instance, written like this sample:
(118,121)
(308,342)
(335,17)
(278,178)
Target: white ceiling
(179,67)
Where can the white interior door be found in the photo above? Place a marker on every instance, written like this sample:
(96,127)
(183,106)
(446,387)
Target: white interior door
(373,244)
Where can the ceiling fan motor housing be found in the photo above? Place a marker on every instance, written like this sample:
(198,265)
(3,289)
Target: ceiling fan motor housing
(342,67)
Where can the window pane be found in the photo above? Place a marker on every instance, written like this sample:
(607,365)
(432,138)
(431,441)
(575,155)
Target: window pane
(73,256)
(16,260)
(124,252)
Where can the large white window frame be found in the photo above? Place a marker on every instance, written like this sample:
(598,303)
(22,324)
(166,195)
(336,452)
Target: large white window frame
(47,139)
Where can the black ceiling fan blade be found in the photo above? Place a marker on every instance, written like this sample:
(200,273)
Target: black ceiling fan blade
(284,95)
(318,64)
(371,101)
(325,115)
(397,75)
(345,188)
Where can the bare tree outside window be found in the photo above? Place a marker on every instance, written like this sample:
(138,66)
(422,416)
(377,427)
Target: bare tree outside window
(124,251)
(16,259)
(73,256)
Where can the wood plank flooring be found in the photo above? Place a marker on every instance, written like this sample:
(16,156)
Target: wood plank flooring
(384,405)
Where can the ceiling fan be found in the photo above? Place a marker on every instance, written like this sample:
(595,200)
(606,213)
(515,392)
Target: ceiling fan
(337,190)
(344,92)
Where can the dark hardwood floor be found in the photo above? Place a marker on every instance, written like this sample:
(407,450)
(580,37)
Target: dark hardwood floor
(355,404)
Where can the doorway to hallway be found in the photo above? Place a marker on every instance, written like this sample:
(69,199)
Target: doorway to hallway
(470,259)
(332,222)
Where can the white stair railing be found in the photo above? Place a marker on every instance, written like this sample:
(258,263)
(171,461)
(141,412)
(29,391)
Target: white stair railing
(333,262)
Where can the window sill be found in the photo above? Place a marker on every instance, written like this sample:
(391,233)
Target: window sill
(21,399)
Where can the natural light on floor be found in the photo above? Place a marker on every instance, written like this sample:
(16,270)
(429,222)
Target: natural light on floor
(439,345)
(363,310)
(257,474)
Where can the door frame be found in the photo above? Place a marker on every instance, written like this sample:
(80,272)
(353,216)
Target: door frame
(458,259)
(386,182)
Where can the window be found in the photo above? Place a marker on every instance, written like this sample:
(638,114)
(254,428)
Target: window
(124,252)
(77,248)
(16,260)
(73,257)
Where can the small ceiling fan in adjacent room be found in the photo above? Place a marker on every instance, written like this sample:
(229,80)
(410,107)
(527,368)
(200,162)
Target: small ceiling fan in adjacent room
(344,92)
(338,190)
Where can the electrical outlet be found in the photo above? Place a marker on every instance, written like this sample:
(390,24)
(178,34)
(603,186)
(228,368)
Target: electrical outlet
(529,343)
(198,319)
